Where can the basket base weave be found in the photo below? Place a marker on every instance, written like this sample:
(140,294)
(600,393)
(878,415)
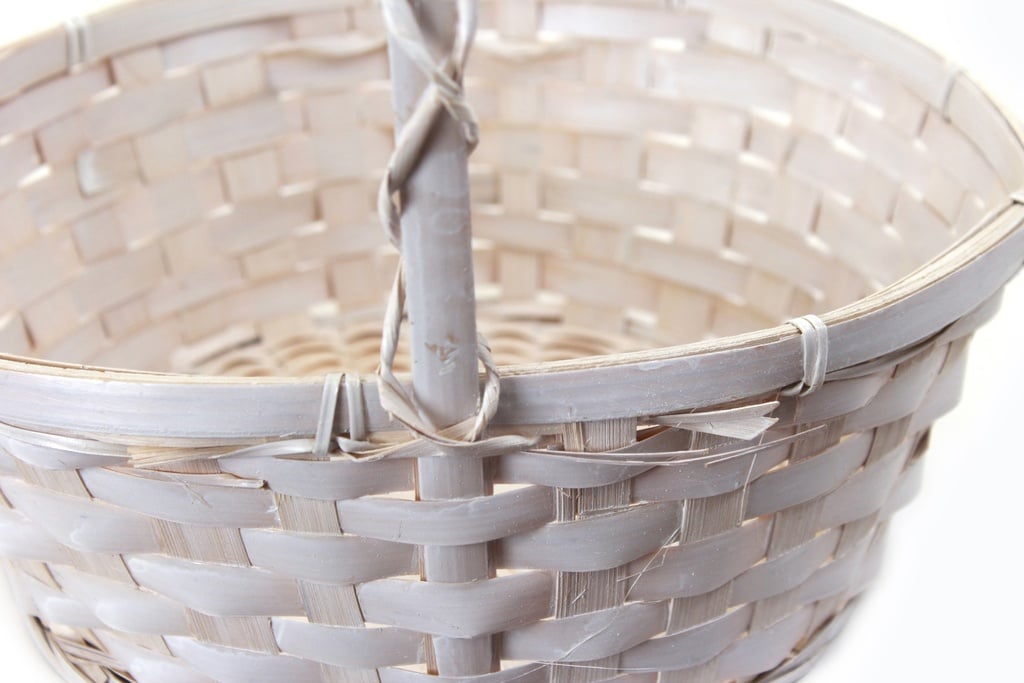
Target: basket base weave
(310,346)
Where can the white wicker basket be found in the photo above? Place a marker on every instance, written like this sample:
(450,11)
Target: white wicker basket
(189,187)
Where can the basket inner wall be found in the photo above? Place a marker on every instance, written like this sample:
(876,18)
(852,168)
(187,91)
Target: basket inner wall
(206,204)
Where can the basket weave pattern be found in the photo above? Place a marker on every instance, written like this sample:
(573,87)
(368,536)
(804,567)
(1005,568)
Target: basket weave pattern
(648,175)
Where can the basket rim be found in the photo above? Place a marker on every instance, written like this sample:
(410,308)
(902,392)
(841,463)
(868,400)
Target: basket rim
(46,395)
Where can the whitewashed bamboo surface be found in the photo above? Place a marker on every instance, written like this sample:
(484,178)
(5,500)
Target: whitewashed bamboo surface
(188,194)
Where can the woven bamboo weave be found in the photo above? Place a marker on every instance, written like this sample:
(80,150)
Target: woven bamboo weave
(678,487)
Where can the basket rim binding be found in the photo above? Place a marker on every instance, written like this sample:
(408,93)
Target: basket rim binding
(44,395)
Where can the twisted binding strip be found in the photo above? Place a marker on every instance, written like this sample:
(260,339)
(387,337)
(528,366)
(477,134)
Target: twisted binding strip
(444,92)
(814,339)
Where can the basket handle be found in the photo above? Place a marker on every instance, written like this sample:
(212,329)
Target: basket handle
(436,132)
(428,47)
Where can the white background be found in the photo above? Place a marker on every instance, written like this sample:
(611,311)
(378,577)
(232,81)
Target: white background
(947,607)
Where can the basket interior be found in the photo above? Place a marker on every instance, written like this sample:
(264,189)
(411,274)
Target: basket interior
(206,204)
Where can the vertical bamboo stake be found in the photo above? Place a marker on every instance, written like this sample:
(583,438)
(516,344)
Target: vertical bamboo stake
(436,238)
(578,593)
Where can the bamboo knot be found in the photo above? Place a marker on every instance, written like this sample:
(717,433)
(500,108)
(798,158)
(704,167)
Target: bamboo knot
(445,92)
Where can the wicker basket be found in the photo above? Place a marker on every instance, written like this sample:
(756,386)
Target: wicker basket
(676,486)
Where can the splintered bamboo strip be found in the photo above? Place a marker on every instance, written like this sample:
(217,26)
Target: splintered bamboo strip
(190,186)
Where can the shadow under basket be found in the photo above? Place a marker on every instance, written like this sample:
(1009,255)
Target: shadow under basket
(189,191)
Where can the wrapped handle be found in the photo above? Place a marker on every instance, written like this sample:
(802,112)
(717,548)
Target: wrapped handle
(428,43)
(434,285)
